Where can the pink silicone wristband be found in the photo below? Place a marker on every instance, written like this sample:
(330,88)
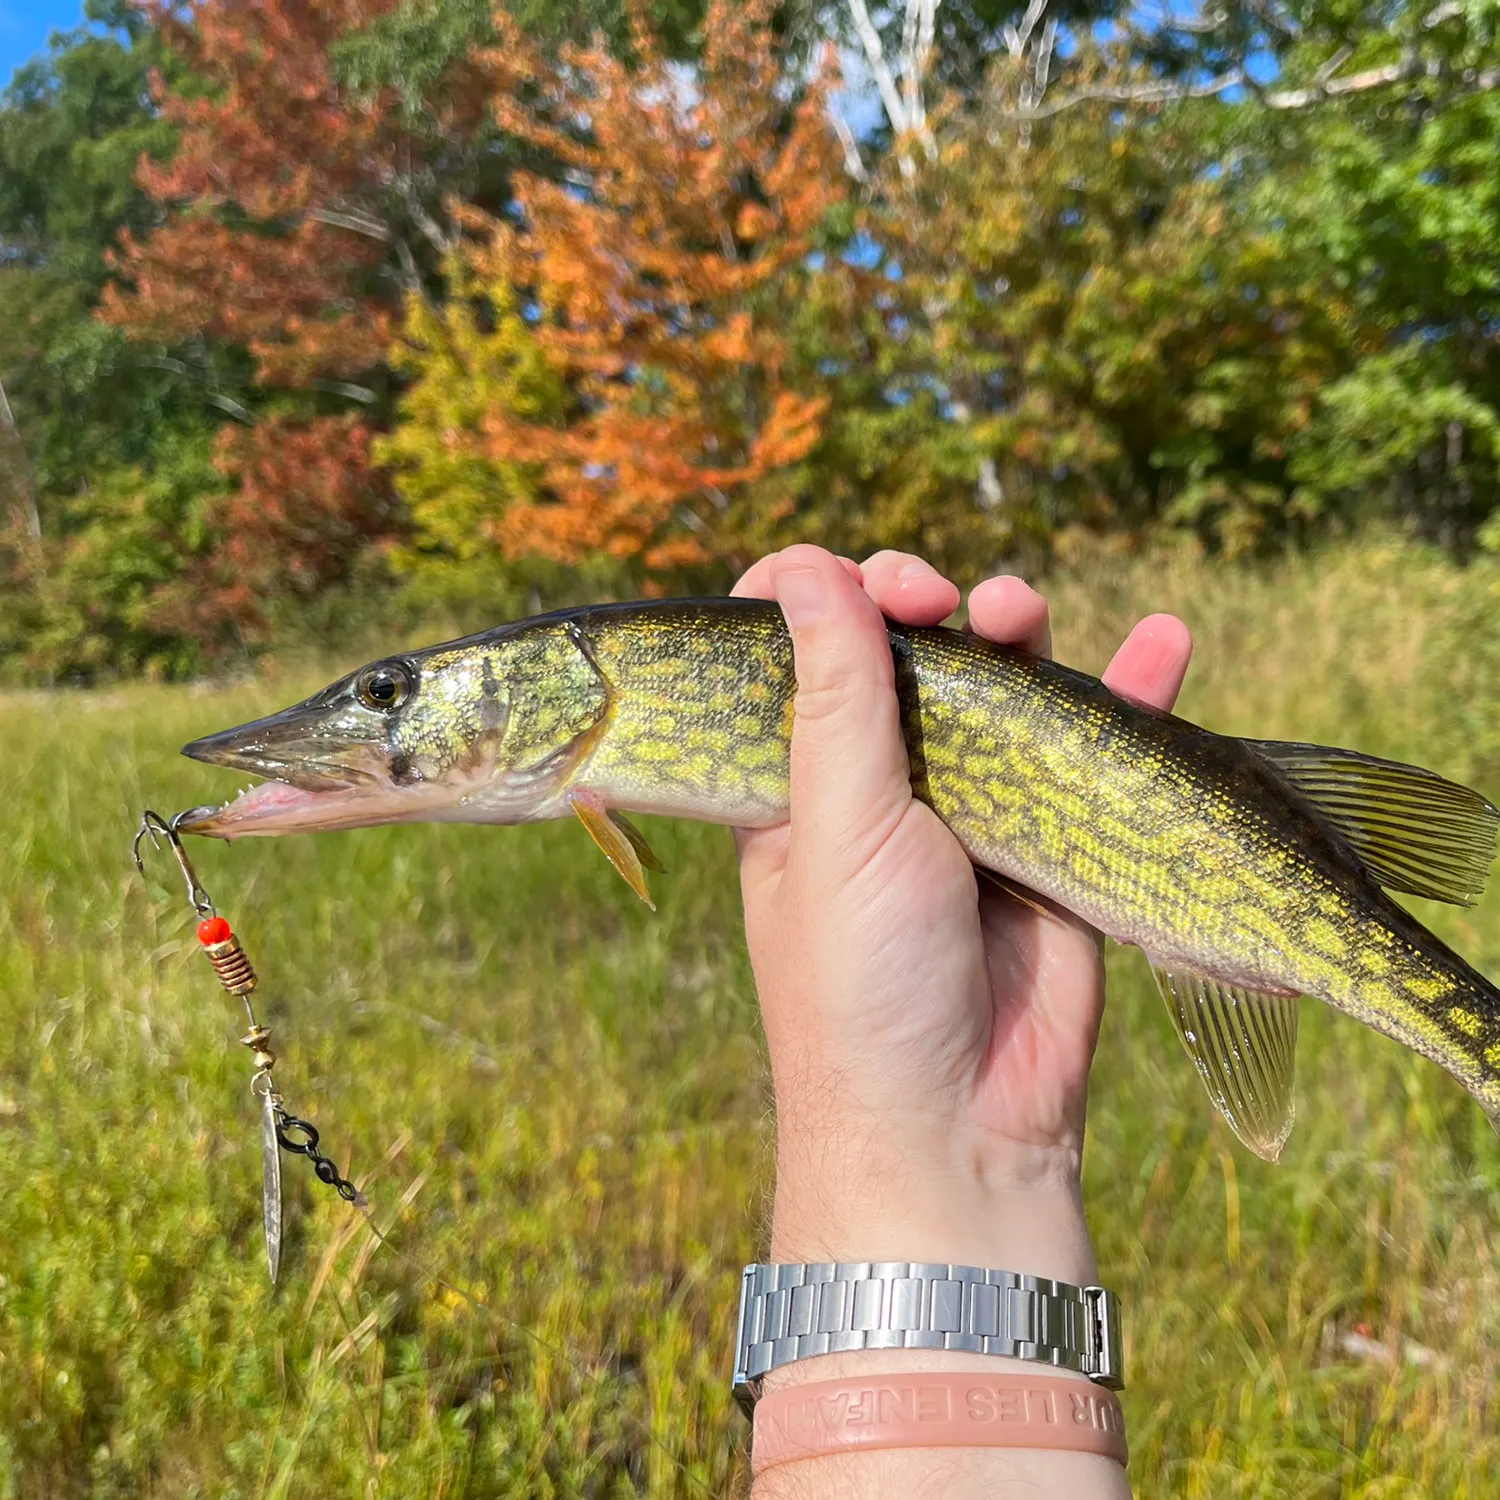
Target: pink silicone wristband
(937,1410)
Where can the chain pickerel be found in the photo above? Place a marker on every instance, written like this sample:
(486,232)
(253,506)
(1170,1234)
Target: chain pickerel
(1250,872)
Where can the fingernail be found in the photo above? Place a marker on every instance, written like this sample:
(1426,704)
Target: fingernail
(916,568)
(802,594)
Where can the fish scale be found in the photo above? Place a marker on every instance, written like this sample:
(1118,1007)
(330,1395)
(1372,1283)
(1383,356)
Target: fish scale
(1250,872)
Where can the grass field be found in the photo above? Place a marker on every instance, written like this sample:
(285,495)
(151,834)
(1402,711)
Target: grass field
(556,1103)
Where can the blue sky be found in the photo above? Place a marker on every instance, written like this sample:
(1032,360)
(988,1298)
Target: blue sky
(25,26)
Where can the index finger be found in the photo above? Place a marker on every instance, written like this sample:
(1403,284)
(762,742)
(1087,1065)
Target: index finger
(755,581)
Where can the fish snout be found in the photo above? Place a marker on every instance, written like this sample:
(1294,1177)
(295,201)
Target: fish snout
(315,749)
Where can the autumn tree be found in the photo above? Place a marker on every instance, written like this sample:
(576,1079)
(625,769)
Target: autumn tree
(643,281)
(301,208)
(468,356)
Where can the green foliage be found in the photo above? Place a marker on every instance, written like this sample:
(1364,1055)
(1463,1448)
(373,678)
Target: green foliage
(94,607)
(411,47)
(1402,419)
(1398,205)
(469,359)
(116,438)
(75,123)
(1073,323)
(466,360)
(556,1102)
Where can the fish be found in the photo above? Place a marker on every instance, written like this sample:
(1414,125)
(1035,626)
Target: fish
(1251,873)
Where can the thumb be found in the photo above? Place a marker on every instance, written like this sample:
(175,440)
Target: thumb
(850,777)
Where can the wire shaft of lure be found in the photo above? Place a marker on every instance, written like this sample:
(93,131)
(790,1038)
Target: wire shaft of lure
(279,1127)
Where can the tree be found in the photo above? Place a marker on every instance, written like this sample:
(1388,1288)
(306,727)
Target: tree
(1102,333)
(298,210)
(470,356)
(73,124)
(655,262)
(83,408)
(1399,202)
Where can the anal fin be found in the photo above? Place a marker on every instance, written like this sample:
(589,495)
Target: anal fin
(1244,1045)
(624,845)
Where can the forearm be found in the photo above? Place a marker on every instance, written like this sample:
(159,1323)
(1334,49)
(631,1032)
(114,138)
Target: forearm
(1039,1230)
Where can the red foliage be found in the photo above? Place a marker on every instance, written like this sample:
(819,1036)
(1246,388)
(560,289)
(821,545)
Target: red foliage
(276,231)
(306,504)
(274,171)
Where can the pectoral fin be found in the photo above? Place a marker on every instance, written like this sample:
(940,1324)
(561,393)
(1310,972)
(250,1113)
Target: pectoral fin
(644,851)
(1011,889)
(1414,830)
(623,844)
(1244,1045)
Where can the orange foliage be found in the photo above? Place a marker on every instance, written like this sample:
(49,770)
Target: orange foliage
(660,262)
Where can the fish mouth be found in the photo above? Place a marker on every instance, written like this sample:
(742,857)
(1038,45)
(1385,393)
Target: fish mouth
(325,771)
(276,807)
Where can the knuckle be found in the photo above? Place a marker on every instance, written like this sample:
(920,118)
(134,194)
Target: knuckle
(804,553)
(844,696)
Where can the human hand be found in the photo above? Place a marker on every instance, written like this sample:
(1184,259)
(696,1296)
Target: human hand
(930,1034)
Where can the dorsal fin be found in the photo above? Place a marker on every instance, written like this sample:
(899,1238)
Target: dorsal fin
(1415,830)
(1244,1045)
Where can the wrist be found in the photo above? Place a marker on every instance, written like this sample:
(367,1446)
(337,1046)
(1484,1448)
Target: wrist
(962,1198)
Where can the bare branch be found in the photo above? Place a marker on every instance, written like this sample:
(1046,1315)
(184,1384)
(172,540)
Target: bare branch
(885,82)
(854,163)
(411,276)
(432,231)
(1410,66)
(31,517)
(354,220)
(1324,86)
(1166,20)
(1041,68)
(903,106)
(1270,15)
(916,53)
(1144,93)
(1016,37)
(229,404)
(361,393)
(1334,63)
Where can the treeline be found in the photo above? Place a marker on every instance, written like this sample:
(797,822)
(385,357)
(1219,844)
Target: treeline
(320,307)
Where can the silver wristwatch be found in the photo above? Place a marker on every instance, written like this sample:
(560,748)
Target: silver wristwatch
(792,1312)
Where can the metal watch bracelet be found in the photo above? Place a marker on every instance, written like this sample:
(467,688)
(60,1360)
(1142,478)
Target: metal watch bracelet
(793,1312)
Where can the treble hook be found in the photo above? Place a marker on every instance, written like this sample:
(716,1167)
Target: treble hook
(153,823)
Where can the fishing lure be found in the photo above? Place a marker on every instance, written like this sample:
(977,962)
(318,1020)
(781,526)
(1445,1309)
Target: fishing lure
(280,1130)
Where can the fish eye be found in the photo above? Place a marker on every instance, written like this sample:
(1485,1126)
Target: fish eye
(385,687)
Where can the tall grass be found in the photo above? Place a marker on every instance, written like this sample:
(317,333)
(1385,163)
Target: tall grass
(556,1102)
